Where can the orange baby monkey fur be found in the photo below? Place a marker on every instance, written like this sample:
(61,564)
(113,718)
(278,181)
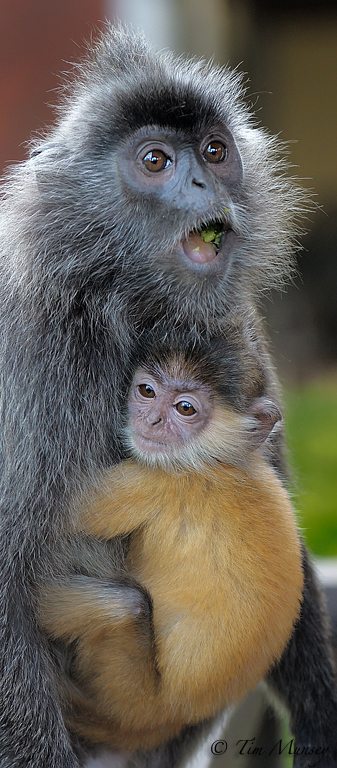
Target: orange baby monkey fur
(219,553)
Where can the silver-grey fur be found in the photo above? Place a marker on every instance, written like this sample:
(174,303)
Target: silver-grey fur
(85,273)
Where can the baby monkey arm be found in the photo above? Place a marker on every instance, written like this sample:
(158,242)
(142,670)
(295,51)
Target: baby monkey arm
(130,496)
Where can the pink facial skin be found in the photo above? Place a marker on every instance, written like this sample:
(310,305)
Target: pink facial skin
(168,413)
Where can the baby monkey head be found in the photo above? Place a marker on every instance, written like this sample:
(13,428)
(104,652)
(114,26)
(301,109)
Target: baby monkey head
(167,412)
(176,421)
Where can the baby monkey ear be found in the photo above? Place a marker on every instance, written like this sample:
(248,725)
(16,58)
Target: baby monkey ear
(265,414)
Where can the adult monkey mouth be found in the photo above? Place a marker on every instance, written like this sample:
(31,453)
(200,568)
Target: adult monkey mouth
(203,246)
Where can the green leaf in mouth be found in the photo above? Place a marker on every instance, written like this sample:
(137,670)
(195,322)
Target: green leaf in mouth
(212,233)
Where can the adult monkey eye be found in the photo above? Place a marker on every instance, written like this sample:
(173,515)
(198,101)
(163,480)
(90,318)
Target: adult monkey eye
(146,390)
(215,152)
(185,408)
(155,160)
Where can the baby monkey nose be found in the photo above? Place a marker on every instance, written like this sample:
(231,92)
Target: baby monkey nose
(154,418)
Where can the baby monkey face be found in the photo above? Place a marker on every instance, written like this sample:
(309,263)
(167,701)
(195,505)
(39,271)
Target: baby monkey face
(166,412)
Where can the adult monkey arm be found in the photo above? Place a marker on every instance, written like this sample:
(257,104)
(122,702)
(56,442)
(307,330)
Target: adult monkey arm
(101,241)
(289,677)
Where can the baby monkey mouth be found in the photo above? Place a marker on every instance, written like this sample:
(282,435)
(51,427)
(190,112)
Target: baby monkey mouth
(203,246)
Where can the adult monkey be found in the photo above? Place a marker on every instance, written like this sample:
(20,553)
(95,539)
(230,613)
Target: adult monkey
(104,236)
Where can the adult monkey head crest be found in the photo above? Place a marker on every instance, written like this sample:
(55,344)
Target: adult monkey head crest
(175,185)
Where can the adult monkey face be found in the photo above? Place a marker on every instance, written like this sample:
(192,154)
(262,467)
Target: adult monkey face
(191,176)
(164,189)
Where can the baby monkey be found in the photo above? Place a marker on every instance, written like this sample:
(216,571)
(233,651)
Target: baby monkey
(214,566)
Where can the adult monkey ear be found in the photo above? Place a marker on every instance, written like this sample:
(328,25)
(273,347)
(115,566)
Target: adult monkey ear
(265,414)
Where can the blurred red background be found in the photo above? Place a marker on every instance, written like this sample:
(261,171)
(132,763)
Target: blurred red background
(38,38)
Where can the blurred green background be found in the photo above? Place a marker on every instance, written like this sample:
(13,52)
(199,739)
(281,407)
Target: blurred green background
(311,418)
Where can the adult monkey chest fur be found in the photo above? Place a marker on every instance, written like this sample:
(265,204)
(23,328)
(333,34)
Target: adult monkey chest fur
(154,202)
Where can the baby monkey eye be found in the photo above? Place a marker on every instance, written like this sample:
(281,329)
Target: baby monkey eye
(185,408)
(215,152)
(146,390)
(155,160)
